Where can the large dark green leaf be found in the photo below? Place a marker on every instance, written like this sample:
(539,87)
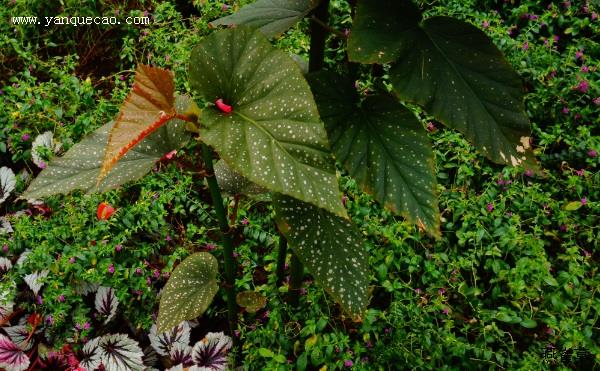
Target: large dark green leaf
(453,70)
(271,17)
(232,183)
(274,136)
(330,247)
(189,291)
(80,166)
(382,145)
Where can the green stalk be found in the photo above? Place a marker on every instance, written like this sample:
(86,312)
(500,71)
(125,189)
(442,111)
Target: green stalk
(297,271)
(281,254)
(229,263)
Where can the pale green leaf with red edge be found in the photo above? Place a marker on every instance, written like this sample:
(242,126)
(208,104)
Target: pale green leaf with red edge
(80,166)
(149,105)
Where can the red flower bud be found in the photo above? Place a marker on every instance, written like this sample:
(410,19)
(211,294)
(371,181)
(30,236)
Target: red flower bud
(105,211)
(225,108)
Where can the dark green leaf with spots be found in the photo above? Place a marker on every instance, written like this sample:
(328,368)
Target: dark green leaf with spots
(189,291)
(271,17)
(80,166)
(232,183)
(382,145)
(454,71)
(330,247)
(273,136)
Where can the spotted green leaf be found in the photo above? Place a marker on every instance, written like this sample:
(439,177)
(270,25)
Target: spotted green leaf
(382,145)
(252,301)
(80,166)
(271,17)
(453,70)
(273,136)
(330,247)
(189,291)
(232,183)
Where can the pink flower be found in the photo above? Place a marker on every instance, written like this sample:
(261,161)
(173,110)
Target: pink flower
(584,201)
(42,165)
(25,137)
(490,207)
(592,153)
(528,173)
(583,86)
(525,45)
(596,101)
(442,291)
(565,110)
(578,54)
(138,271)
(446,310)
(210,246)
(348,363)
(580,172)
(72,260)
(118,248)
(485,24)
(111,268)
(418,290)
(245,221)
(430,126)
(585,69)
(86,326)
(61,299)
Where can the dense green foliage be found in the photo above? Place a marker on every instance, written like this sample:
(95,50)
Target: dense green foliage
(515,269)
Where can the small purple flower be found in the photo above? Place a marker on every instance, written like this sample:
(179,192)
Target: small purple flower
(77,326)
(145,13)
(580,172)
(303,291)
(236,333)
(446,310)
(430,126)
(25,137)
(118,248)
(441,291)
(579,54)
(344,200)
(387,330)
(563,228)
(418,291)
(583,86)
(167,58)
(138,271)
(235,254)
(42,164)
(72,260)
(596,101)
(369,344)
(592,153)
(156,273)
(533,17)
(584,201)
(490,207)
(40,301)
(585,69)
(594,16)
(49,319)
(122,77)
(5,248)
(549,331)
(166,275)
(485,24)
(111,268)
(565,110)
(556,38)
(586,253)
(148,281)
(224,7)
(348,363)
(86,326)
(210,246)
(61,298)
(245,221)
(525,45)
(528,173)
(168,238)
(1,92)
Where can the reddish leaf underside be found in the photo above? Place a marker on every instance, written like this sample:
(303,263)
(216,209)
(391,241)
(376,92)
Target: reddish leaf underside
(149,105)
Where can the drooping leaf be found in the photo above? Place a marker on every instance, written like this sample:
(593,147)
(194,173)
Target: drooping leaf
(163,342)
(189,291)
(382,145)
(80,166)
(330,247)
(34,280)
(271,17)
(7,183)
(106,303)
(252,301)
(211,352)
(149,105)
(118,352)
(181,354)
(90,357)
(273,136)
(11,356)
(5,266)
(453,70)
(20,336)
(232,183)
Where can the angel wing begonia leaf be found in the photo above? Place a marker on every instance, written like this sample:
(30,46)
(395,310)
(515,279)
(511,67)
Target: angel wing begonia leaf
(271,17)
(189,291)
(330,247)
(80,166)
(453,70)
(382,145)
(273,136)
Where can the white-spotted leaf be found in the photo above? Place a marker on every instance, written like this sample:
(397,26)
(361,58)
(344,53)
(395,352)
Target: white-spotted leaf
(271,17)
(382,145)
(330,247)
(232,183)
(189,291)
(273,136)
(80,166)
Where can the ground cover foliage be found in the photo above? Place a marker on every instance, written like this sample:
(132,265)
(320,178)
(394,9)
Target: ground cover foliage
(511,283)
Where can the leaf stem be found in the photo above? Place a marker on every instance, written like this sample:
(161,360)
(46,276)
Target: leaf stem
(297,271)
(318,36)
(325,26)
(281,255)
(229,263)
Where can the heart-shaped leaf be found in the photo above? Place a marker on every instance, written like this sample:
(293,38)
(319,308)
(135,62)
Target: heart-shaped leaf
(271,17)
(80,166)
(453,70)
(252,301)
(330,247)
(149,105)
(273,136)
(189,291)
(382,145)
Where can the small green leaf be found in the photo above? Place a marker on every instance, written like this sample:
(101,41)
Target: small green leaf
(529,323)
(330,247)
(504,317)
(267,353)
(271,17)
(80,166)
(573,205)
(189,291)
(382,145)
(250,300)
(273,136)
